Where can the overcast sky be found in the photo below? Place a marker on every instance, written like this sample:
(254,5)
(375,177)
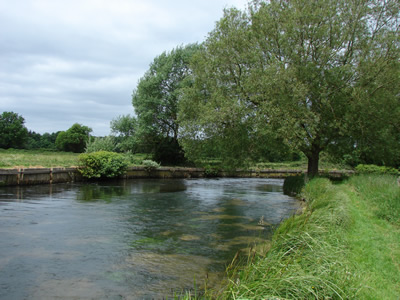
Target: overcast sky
(78,61)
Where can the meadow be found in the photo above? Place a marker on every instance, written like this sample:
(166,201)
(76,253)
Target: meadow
(16,158)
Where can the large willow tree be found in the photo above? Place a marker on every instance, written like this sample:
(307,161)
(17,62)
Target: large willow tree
(303,69)
(156,101)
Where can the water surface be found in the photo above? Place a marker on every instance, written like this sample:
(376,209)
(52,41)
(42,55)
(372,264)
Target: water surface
(131,239)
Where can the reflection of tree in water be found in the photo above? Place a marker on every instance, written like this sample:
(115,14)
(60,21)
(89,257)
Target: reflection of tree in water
(96,192)
(161,186)
(34,192)
(270,188)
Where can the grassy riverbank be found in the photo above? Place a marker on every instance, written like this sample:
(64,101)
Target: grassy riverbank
(346,245)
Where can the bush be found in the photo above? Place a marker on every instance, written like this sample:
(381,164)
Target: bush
(101,144)
(293,185)
(150,165)
(373,169)
(211,171)
(102,164)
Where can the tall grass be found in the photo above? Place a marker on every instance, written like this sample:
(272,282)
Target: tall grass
(307,259)
(382,193)
(339,248)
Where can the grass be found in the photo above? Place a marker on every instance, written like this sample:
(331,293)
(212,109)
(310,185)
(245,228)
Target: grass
(17,158)
(13,158)
(346,245)
(325,165)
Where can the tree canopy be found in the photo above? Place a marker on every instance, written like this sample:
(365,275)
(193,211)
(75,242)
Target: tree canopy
(156,103)
(74,139)
(13,132)
(322,75)
(124,129)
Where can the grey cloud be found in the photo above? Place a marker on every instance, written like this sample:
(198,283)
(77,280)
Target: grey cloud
(78,61)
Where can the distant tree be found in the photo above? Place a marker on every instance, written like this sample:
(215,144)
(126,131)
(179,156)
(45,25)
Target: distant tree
(124,129)
(156,104)
(48,140)
(304,70)
(33,140)
(74,139)
(37,141)
(13,132)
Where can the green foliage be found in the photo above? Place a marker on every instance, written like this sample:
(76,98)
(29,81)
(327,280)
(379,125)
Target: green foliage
(102,164)
(168,152)
(302,70)
(13,132)
(150,165)
(135,159)
(379,170)
(156,103)
(293,185)
(211,171)
(74,139)
(101,144)
(38,141)
(124,128)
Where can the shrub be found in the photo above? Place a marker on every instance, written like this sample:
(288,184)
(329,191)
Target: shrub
(211,171)
(101,144)
(293,185)
(373,169)
(102,164)
(150,165)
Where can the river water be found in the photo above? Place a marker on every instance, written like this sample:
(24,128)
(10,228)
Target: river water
(130,239)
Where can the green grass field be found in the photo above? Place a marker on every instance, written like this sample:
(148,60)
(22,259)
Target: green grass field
(13,158)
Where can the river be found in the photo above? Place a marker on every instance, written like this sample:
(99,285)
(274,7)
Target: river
(130,239)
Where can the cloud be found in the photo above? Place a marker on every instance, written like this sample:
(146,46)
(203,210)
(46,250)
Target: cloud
(78,61)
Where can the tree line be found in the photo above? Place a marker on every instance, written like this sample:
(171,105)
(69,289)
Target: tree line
(280,79)
(14,134)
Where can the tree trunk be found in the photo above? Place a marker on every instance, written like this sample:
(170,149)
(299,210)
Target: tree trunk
(313,161)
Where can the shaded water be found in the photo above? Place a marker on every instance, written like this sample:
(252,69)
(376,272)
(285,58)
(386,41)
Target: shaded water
(132,239)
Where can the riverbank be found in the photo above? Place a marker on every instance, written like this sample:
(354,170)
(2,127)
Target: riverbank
(26,176)
(346,245)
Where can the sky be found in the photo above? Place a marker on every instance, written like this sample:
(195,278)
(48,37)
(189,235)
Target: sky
(78,61)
